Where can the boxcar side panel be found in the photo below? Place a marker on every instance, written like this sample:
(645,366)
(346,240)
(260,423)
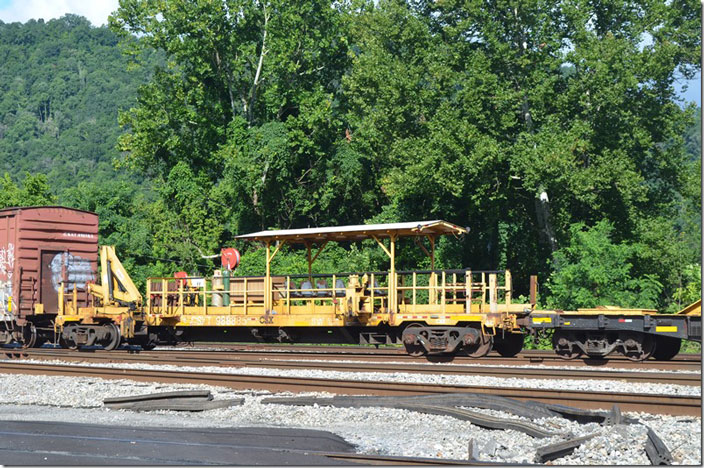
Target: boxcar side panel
(39,248)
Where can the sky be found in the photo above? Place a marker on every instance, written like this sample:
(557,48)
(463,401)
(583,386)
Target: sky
(97,12)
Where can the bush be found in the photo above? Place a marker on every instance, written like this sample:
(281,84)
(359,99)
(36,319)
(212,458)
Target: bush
(594,271)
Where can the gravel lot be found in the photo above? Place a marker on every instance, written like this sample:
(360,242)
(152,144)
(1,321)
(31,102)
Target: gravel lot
(372,430)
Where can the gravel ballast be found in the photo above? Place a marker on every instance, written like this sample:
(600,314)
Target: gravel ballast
(614,386)
(372,430)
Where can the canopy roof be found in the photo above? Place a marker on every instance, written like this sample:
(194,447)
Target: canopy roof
(357,232)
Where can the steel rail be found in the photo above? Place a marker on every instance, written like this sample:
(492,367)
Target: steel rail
(221,359)
(371,348)
(392,349)
(527,357)
(547,358)
(659,404)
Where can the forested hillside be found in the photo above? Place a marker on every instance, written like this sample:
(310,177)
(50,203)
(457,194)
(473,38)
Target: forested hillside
(550,128)
(61,86)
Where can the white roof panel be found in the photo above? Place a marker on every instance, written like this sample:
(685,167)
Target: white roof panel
(358,232)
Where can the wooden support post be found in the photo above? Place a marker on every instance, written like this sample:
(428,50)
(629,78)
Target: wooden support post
(442,298)
(414,292)
(149,296)
(180,296)
(268,286)
(533,289)
(392,280)
(492,293)
(267,278)
(468,291)
(454,288)
(61,299)
(432,251)
(205,300)
(311,260)
(433,281)
(288,295)
(509,287)
(392,272)
(371,288)
(164,285)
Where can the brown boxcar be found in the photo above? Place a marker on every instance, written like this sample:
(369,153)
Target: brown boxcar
(40,247)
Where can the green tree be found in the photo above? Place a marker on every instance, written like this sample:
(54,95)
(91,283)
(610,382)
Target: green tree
(517,118)
(61,85)
(523,118)
(245,101)
(594,271)
(33,191)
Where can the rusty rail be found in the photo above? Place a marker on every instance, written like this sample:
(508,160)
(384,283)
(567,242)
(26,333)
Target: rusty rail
(285,361)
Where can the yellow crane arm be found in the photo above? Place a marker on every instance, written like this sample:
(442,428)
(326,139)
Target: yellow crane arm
(116,286)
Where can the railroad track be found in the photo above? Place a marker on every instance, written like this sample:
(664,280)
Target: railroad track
(662,404)
(286,361)
(547,358)
(690,362)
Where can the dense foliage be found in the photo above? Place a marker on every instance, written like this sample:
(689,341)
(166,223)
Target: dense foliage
(61,85)
(552,129)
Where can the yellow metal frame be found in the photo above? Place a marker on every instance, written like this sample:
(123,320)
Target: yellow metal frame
(456,296)
(108,298)
(368,299)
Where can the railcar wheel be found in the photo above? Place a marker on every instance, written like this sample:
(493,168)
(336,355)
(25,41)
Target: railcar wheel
(415,350)
(481,348)
(509,345)
(29,336)
(114,332)
(666,347)
(564,346)
(67,338)
(639,347)
(67,344)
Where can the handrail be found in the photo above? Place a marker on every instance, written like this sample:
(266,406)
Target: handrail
(442,288)
(348,273)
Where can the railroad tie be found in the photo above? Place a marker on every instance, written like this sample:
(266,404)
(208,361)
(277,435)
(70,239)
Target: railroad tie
(560,449)
(480,419)
(583,416)
(427,406)
(194,394)
(188,400)
(614,418)
(452,400)
(472,450)
(657,451)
